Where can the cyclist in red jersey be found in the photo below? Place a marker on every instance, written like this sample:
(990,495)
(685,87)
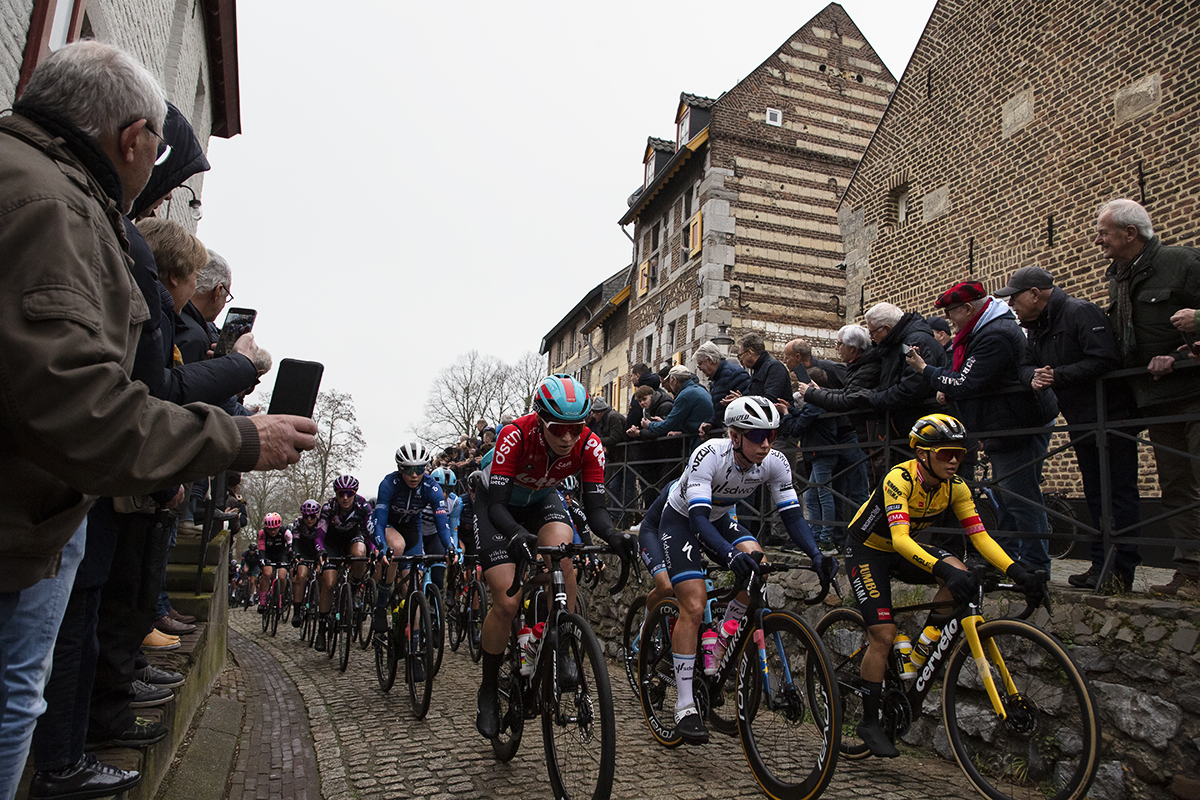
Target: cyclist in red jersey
(533,454)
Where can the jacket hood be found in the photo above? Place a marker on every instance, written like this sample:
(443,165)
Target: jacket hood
(186,159)
(909,324)
(997,309)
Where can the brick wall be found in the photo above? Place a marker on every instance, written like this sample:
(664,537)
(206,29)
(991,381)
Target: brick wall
(1015,120)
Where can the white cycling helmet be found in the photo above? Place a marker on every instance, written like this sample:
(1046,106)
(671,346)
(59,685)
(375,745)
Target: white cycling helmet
(752,412)
(412,454)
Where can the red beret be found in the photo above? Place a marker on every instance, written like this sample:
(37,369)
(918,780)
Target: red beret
(963,292)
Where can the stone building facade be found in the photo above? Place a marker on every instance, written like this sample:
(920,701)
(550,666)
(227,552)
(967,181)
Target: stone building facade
(734,227)
(189,45)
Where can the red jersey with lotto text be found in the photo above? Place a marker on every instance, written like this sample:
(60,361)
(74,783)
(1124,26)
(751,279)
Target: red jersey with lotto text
(523,458)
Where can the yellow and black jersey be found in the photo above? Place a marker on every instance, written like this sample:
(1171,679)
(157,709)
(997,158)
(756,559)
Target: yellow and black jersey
(901,506)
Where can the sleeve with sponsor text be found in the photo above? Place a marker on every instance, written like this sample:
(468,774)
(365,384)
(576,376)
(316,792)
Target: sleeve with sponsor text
(896,498)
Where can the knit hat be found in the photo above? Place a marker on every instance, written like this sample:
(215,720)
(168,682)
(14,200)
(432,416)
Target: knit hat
(600,404)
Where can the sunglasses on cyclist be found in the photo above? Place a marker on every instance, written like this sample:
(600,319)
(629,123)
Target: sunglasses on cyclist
(310,516)
(413,470)
(565,430)
(759,436)
(948,454)
(345,493)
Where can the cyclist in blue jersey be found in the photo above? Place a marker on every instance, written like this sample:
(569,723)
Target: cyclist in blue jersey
(444,477)
(402,496)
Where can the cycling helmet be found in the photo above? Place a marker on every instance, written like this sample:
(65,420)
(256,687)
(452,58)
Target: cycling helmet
(310,507)
(412,454)
(561,398)
(272,521)
(444,477)
(752,412)
(934,430)
(345,483)
(477,481)
(569,484)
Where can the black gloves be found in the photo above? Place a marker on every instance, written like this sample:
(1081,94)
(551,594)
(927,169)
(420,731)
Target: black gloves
(742,564)
(522,545)
(625,545)
(1032,583)
(961,583)
(826,567)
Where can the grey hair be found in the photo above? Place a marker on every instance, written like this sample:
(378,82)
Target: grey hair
(1129,212)
(98,88)
(709,352)
(215,271)
(882,314)
(855,336)
(263,362)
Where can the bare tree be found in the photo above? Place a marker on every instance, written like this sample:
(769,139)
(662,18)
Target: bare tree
(471,388)
(523,378)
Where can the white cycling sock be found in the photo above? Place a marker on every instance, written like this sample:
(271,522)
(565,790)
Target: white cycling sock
(734,611)
(684,667)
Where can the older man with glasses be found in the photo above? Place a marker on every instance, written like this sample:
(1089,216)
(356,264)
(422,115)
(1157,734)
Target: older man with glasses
(984,381)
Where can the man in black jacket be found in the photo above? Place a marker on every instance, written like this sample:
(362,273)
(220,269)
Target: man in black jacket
(1070,346)
(768,377)
(902,391)
(983,381)
(610,426)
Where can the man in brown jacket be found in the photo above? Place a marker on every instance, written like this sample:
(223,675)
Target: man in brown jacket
(78,149)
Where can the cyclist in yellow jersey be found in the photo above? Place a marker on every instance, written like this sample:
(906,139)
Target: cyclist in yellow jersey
(880,546)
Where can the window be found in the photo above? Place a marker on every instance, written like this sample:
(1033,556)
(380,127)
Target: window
(774,116)
(898,205)
(649,349)
(687,204)
(693,235)
(682,133)
(643,280)
(671,334)
(650,169)
(654,233)
(653,272)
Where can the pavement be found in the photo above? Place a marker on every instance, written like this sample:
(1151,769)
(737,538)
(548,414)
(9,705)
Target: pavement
(307,731)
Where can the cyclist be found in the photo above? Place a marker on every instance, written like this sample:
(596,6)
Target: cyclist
(912,496)
(274,542)
(403,495)
(719,474)
(568,491)
(304,541)
(342,531)
(518,509)
(251,568)
(444,478)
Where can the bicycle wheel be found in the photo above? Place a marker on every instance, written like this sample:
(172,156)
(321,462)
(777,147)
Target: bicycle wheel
(454,598)
(581,606)
(363,613)
(266,616)
(477,608)
(631,639)
(387,655)
(345,622)
(437,629)
(274,606)
(1048,745)
(420,649)
(579,728)
(1059,546)
(656,673)
(845,638)
(788,713)
(511,702)
(285,615)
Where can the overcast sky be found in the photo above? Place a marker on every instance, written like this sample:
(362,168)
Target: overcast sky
(417,180)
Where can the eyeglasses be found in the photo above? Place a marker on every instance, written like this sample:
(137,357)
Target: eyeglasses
(416,469)
(565,430)
(951,309)
(759,436)
(345,493)
(948,454)
(872,331)
(228,294)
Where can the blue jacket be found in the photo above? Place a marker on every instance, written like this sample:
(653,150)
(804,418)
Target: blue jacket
(692,407)
(729,377)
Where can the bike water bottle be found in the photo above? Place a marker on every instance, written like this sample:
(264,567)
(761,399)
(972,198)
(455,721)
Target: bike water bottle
(904,649)
(708,645)
(925,645)
(728,630)
(523,638)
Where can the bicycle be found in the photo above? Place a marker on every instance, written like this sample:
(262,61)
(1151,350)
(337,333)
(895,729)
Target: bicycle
(409,636)
(309,605)
(364,603)
(460,580)
(1019,714)
(788,712)
(1063,524)
(578,721)
(341,622)
(275,598)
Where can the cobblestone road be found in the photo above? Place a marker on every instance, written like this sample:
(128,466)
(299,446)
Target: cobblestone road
(369,746)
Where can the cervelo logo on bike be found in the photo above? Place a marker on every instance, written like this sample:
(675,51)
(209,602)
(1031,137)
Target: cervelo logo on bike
(936,656)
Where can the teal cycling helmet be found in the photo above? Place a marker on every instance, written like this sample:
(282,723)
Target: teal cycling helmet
(444,477)
(561,398)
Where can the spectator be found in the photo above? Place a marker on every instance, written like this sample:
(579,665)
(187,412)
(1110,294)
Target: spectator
(196,330)
(988,348)
(902,391)
(1070,347)
(1153,292)
(862,373)
(797,356)
(941,332)
(692,407)
(77,427)
(805,423)
(768,377)
(656,404)
(724,377)
(608,424)
(642,376)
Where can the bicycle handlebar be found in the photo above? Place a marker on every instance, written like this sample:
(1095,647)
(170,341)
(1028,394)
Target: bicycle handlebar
(569,550)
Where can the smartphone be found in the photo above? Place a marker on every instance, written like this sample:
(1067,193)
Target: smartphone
(907,348)
(238,322)
(296,387)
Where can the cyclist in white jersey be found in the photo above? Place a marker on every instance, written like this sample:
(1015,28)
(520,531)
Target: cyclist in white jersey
(719,473)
